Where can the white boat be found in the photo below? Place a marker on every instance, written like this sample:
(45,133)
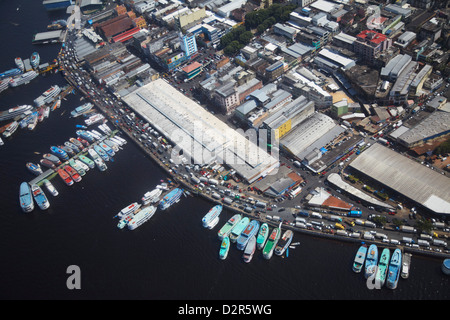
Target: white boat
(50,188)
(101,165)
(129,209)
(141,217)
(151,196)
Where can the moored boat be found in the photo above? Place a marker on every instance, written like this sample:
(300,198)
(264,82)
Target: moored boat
(12,127)
(70,145)
(52,158)
(445,267)
(25,197)
(77,143)
(56,105)
(141,217)
(406,262)
(131,208)
(238,228)
(263,234)
(226,229)
(68,150)
(31,124)
(87,161)
(224,248)
(109,151)
(65,177)
(101,165)
(50,188)
(383,264)
(19,63)
(171,198)
(76,167)
(73,173)
(249,250)
(60,153)
(78,111)
(284,242)
(370,266)
(47,163)
(34,168)
(86,135)
(250,230)
(211,218)
(358,262)
(271,242)
(394,269)
(151,196)
(40,197)
(84,142)
(35,60)
(101,152)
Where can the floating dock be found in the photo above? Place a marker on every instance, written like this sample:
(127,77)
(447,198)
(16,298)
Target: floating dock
(55,36)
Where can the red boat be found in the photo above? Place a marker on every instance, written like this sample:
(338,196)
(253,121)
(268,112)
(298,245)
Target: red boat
(84,142)
(73,173)
(65,176)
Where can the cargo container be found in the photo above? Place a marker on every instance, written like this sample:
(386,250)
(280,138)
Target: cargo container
(440,243)
(354,213)
(424,236)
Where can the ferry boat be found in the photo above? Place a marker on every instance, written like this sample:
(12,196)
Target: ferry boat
(224,248)
(406,262)
(77,143)
(445,267)
(250,230)
(33,121)
(26,198)
(358,262)
(68,150)
(212,217)
(271,242)
(73,173)
(10,73)
(263,234)
(371,261)
(40,197)
(101,152)
(394,269)
(284,242)
(52,158)
(171,198)
(50,188)
(87,161)
(83,142)
(101,165)
(226,229)
(11,129)
(4,84)
(34,168)
(23,78)
(238,228)
(47,96)
(78,111)
(131,208)
(151,196)
(26,120)
(14,112)
(65,177)
(250,249)
(19,63)
(76,167)
(35,60)
(109,151)
(96,118)
(141,217)
(383,267)
(60,153)
(72,146)
(124,221)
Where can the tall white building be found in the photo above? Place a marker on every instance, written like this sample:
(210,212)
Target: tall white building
(188,44)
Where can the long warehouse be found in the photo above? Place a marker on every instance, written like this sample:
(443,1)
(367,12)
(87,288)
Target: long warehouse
(201,136)
(420,184)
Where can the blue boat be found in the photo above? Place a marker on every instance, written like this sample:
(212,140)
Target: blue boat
(107,149)
(250,230)
(60,153)
(102,153)
(10,73)
(359,259)
(212,217)
(371,261)
(68,150)
(394,269)
(86,135)
(26,198)
(224,248)
(170,198)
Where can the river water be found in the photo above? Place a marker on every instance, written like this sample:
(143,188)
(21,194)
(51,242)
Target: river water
(171,257)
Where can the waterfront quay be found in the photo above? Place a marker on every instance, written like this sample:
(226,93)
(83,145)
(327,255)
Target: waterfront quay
(242,195)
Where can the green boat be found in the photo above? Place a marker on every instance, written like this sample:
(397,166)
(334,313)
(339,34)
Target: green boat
(226,229)
(238,228)
(383,267)
(78,168)
(224,248)
(88,161)
(272,242)
(262,236)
